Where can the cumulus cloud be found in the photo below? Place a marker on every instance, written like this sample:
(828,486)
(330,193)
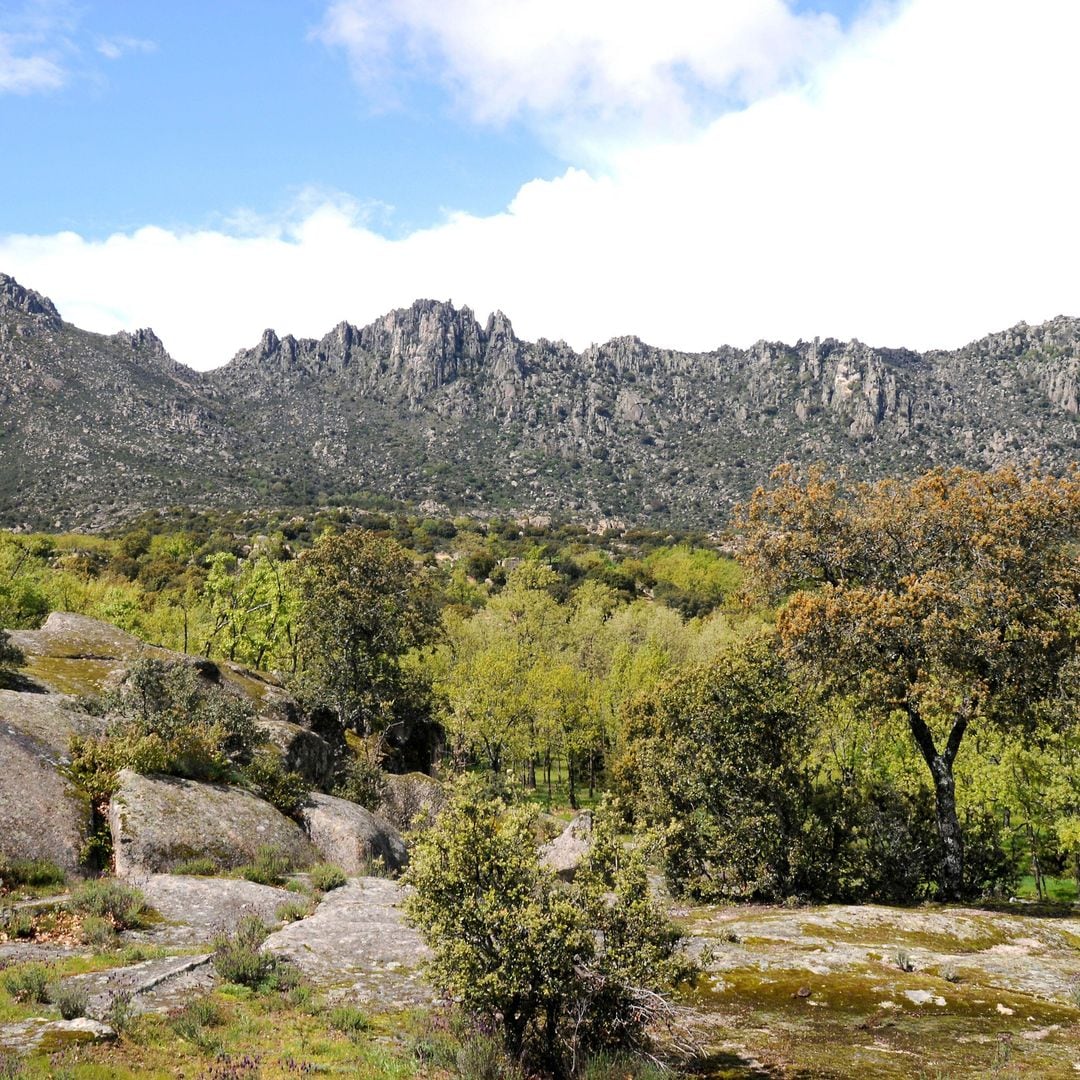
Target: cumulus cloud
(917,189)
(571,67)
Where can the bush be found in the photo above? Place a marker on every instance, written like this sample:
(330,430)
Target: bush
(194,1018)
(269,779)
(123,905)
(28,983)
(326,877)
(98,933)
(361,781)
(200,866)
(32,872)
(70,998)
(348,1019)
(238,958)
(560,972)
(483,1057)
(269,868)
(18,925)
(293,910)
(121,1012)
(167,719)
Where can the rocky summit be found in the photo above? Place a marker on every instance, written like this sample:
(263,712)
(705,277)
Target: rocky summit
(427,403)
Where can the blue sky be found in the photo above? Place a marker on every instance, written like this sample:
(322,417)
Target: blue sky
(591,167)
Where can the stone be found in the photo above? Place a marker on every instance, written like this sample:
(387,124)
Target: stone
(52,1036)
(195,909)
(411,800)
(159,821)
(51,719)
(41,814)
(359,941)
(565,852)
(352,837)
(302,751)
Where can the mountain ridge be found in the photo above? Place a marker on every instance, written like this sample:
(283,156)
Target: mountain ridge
(428,403)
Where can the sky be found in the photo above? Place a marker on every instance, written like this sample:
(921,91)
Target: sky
(696,172)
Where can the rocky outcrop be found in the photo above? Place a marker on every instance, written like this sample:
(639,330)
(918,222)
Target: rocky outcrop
(41,815)
(352,837)
(565,853)
(411,800)
(302,751)
(51,719)
(159,821)
(427,402)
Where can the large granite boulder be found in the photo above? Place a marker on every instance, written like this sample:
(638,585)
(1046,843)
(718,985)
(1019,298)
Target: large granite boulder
(159,821)
(302,751)
(411,800)
(565,853)
(352,837)
(41,815)
(51,719)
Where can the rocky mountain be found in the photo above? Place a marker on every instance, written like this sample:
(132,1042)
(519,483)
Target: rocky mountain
(427,403)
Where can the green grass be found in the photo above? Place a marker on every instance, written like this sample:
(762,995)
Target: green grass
(1058,890)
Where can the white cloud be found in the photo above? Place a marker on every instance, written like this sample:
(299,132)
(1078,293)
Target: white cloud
(576,67)
(25,71)
(919,190)
(114,48)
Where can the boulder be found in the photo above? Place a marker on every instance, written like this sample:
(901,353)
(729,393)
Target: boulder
(565,852)
(302,751)
(41,815)
(51,719)
(352,837)
(159,821)
(39,1033)
(411,800)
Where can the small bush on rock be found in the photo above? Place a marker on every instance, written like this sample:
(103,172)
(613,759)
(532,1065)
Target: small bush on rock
(28,983)
(70,998)
(269,868)
(33,872)
(327,876)
(239,958)
(123,905)
(269,779)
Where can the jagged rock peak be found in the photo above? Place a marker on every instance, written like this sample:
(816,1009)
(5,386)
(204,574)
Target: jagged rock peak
(144,340)
(14,297)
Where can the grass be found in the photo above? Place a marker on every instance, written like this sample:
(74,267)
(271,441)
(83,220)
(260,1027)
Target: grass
(1058,890)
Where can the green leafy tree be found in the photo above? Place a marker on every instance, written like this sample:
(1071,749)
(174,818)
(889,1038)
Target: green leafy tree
(951,600)
(10,658)
(561,972)
(363,603)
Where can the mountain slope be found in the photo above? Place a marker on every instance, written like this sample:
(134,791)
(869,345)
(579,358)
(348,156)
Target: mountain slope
(427,403)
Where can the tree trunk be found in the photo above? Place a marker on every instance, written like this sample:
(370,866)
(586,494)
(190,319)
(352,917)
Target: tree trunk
(941,770)
(570,781)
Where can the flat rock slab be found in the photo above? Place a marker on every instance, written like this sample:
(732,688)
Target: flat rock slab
(154,985)
(52,1036)
(358,941)
(195,910)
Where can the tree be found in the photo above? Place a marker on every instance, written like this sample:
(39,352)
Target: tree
(951,600)
(561,971)
(716,764)
(363,604)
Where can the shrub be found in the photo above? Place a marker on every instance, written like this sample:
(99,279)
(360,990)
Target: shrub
(123,905)
(483,1057)
(288,791)
(293,910)
(33,872)
(99,933)
(326,877)
(238,958)
(269,868)
(70,998)
(560,972)
(167,719)
(200,866)
(18,924)
(121,1012)
(347,1019)
(361,781)
(27,983)
(194,1018)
